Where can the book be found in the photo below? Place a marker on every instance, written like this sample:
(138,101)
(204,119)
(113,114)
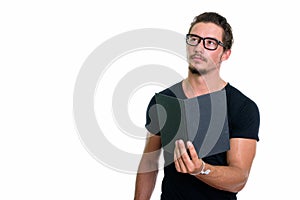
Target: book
(202,120)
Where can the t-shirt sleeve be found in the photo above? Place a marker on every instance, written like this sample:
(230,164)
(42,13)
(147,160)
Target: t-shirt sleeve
(152,123)
(246,121)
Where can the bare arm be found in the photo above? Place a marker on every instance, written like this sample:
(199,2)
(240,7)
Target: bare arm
(148,168)
(231,178)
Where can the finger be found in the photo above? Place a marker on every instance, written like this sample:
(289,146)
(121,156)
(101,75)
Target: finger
(184,154)
(176,163)
(177,157)
(176,152)
(185,162)
(197,162)
(189,164)
(181,147)
(179,163)
(192,150)
(182,166)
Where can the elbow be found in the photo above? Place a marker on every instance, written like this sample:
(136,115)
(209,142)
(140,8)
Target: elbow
(239,186)
(148,165)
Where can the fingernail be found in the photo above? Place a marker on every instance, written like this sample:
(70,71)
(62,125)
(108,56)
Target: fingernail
(189,144)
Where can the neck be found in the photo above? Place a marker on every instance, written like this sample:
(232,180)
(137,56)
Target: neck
(196,85)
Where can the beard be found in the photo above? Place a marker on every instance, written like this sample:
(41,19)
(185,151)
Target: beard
(201,68)
(196,71)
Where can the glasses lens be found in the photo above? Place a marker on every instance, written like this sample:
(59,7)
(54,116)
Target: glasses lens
(192,40)
(210,43)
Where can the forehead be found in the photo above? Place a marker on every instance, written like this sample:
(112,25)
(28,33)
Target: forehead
(207,30)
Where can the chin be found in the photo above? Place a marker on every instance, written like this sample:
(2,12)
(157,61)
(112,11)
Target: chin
(197,71)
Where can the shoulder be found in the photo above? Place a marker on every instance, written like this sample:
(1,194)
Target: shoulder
(175,90)
(152,124)
(243,114)
(237,99)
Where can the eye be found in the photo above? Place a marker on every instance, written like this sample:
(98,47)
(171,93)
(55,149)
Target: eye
(194,39)
(211,42)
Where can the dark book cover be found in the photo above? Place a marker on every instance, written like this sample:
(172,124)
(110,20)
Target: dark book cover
(201,120)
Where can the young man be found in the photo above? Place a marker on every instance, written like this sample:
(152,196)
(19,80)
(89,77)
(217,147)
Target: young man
(220,176)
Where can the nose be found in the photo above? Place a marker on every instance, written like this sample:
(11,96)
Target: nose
(199,47)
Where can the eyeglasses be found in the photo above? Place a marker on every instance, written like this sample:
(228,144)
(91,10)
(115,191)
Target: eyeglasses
(208,43)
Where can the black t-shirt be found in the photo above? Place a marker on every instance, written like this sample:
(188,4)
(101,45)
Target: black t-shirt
(243,121)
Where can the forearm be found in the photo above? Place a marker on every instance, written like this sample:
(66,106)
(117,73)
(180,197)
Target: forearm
(228,178)
(145,183)
(146,177)
(148,169)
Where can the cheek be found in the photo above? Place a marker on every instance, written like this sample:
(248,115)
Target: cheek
(189,50)
(222,57)
(217,57)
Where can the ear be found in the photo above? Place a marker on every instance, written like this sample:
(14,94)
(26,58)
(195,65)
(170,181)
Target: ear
(226,55)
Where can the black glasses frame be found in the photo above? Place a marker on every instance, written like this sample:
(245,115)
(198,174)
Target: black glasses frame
(201,38)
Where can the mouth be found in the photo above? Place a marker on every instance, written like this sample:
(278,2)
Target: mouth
(198,57)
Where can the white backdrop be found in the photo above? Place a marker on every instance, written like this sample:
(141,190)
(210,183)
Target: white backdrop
(43,46)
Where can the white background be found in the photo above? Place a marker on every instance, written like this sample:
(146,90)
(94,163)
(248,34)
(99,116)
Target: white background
(43,45)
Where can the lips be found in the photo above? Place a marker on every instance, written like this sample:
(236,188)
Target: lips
(198,57)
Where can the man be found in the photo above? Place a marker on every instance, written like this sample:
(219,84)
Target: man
(220,176)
